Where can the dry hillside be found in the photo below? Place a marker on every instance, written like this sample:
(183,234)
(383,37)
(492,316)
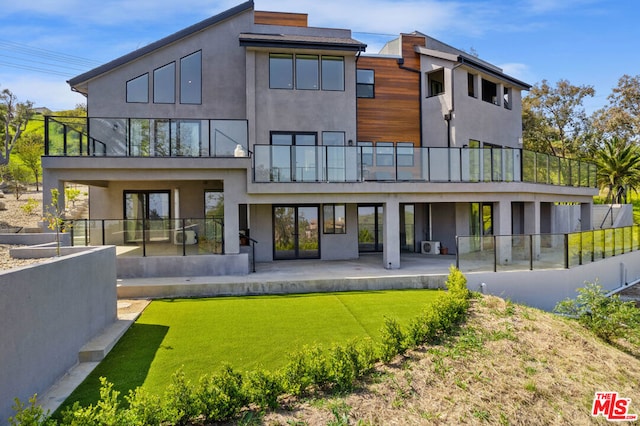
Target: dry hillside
(510,364)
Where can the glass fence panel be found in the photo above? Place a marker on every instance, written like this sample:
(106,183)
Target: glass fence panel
(554,170)
(551,251)
(609,242)
(575,172)
(509,166)
(519,249)
(476,254)
(438,164)
(262,163)
(409,162)
(598,244)
(225,137)
(635,237)
(79,232)
(529,166)
(618,241)
(574,250)
(587,247)
(470,159)
(455,165)
(542,168)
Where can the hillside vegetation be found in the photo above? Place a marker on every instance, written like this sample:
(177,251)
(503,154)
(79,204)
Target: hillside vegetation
(509,364)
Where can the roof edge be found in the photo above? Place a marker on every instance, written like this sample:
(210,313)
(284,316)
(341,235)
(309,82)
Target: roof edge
(248,5)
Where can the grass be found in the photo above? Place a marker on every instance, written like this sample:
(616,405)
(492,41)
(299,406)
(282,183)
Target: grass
(246,332)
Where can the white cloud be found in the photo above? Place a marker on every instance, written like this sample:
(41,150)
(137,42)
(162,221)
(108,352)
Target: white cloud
(518,70)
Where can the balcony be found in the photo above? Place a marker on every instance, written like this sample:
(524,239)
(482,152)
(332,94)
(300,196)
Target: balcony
(144,137)
(334,164)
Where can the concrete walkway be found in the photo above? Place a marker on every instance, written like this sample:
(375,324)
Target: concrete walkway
(300,276)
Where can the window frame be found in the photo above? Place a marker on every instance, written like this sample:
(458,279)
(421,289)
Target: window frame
(472,89)
(272,74)
(172,85)
(331,59)
(300,59)
(432,90)
(129,85)
(329,219)
(371,86)
(489,91)
(185,84)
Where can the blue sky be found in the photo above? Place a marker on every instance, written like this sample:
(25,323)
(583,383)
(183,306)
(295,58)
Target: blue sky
(44,43)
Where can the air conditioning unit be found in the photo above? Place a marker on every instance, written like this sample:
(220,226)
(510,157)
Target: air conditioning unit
(430,247)
(187,237)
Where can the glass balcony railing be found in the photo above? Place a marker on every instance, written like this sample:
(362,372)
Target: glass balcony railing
(151,237)
(144,137)
(543,251)
(277,163)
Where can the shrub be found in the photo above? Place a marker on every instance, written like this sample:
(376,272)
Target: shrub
(344,366)
(457,283)
(30,206)
(29,415)
(180,401)
(393,340)
(144,408)
(263,388)
(608,317)
(220,395)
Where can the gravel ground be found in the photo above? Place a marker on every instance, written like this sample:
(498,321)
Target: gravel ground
(13,217)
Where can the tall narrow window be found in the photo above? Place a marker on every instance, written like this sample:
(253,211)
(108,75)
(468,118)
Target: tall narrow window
(332,73)
(365,84)
(138,89)
(164,84)
(471,85)
(307,72)
(280,71)
(506,98)
(489,92)
(191,79)
(435,82)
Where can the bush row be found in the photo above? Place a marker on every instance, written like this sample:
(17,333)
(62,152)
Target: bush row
(222,396)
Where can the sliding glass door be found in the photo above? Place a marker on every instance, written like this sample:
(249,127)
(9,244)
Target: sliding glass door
(295,232)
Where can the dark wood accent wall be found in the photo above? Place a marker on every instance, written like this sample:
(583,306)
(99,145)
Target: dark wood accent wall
(394,114)
(280,18)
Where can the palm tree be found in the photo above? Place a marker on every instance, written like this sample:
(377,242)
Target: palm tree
(618,163)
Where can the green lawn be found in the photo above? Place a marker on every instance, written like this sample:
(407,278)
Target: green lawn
(246,332)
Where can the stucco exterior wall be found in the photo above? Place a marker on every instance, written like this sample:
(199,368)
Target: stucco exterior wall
(223,84)
(48,312)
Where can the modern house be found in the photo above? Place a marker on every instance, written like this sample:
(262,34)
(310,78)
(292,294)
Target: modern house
(296,137)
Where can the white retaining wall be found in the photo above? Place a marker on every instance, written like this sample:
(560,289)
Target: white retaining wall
(48,311)
(544,289)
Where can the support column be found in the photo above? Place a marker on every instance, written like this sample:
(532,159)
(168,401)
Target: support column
(391,235)
(532,225)
(502,231)
(231,227)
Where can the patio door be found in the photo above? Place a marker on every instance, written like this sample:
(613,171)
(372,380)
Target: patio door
(370,226)
(295,232)
(146,215)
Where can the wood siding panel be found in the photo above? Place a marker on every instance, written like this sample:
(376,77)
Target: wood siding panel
(394,114)
(280,18)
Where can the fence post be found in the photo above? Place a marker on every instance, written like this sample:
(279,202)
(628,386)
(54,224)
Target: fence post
(566,251)
(495,254)
(531,252)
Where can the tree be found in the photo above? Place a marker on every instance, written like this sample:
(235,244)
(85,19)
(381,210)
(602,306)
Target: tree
(553,118)
(30,148)
(14,117)
(621,118)
(618,163)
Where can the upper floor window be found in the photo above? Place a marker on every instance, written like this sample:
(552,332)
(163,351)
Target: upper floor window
(138,89)
(332,73)
(471,85)
(164,84)
(307,72)
(333,138)
(435,82)
(506,98)
(280,71)
(365,83)
(191,79)
(489,92)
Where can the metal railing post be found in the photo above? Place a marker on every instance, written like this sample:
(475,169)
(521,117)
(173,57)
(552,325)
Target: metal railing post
(566,251)
(531,252)
(495,254)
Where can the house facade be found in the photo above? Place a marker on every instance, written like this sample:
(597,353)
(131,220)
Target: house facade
(294,136)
